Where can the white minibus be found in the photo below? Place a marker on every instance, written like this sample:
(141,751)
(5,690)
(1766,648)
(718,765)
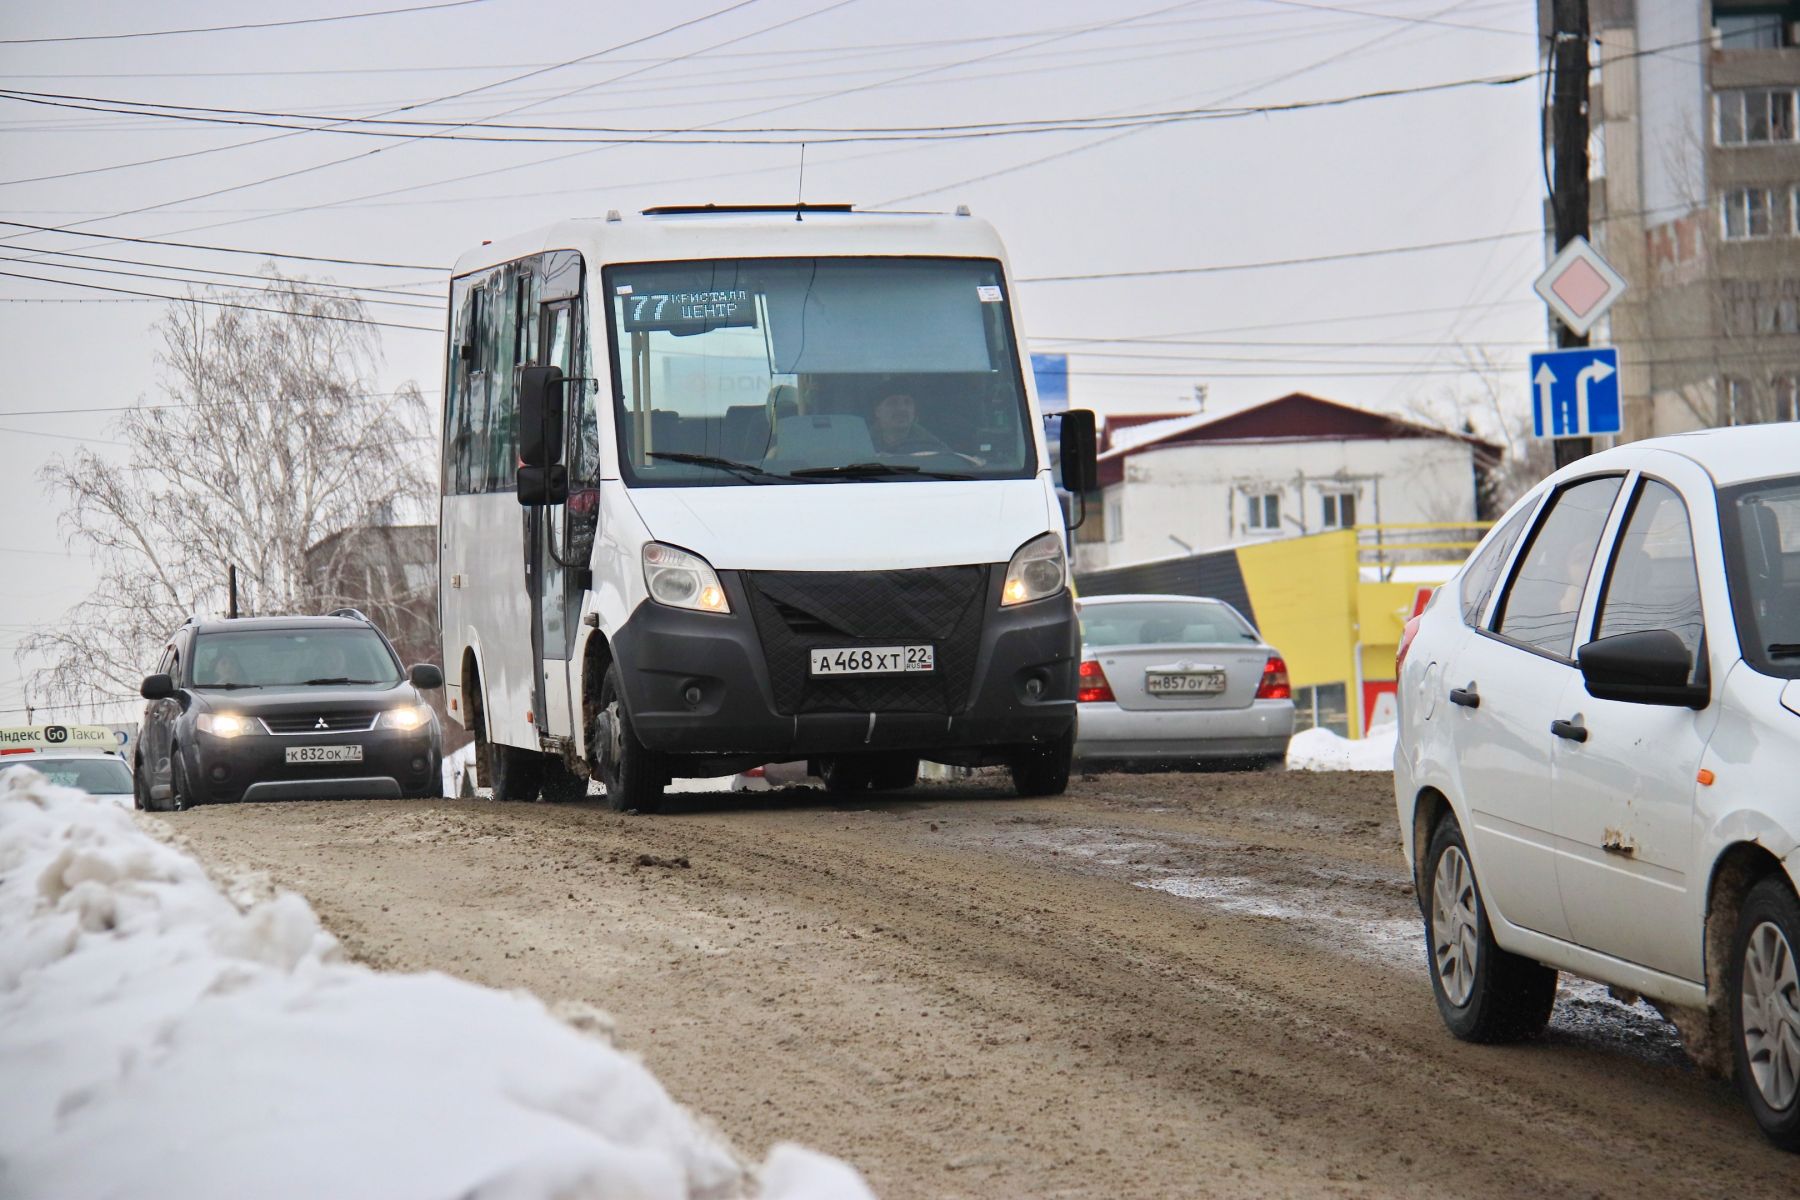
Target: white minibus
(729,486)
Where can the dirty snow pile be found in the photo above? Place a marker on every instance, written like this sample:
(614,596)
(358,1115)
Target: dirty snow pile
(1323,750)
(158,1038)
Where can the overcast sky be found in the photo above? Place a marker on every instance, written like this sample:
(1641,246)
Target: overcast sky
(1455,169)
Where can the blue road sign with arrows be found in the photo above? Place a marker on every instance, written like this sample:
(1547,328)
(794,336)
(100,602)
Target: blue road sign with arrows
(1575,392)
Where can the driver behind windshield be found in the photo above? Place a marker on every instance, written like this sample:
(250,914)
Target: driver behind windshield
(897,430)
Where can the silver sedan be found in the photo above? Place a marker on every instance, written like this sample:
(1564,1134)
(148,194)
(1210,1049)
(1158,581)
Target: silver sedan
(1178,680)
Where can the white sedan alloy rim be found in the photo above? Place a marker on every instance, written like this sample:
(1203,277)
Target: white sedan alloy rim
(1454,942)
(1771,1004)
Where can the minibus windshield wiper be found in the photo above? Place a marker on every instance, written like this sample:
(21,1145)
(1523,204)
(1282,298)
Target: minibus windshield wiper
(1785,650)
(873,470)
(747,470)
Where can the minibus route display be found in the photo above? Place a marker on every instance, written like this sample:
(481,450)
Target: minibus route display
(687,312)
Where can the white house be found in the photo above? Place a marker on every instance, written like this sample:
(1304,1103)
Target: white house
(1291,466)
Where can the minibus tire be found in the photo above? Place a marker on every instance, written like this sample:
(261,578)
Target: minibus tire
(518,773)
(1043,770)
(635,778)
(561,785)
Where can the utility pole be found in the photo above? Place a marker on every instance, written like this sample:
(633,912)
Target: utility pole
(1568,135)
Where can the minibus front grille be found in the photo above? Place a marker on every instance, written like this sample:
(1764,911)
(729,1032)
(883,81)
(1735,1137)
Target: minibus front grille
(796,612)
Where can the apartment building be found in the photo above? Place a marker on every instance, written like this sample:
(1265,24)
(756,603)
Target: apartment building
(1696,201)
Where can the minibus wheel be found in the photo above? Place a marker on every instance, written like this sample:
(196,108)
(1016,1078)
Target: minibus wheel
(1043,770)
(633,774)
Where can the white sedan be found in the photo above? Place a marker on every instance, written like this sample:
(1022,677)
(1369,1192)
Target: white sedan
(1598,748)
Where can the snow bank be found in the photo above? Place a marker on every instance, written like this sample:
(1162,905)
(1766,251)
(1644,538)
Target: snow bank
(1323,750)
(157,1038)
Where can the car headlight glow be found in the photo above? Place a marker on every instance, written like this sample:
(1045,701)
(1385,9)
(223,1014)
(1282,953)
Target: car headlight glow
(682,580)
(1037,571)
(407,717)
(227,725)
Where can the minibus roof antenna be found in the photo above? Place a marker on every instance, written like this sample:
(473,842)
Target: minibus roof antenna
(800,190)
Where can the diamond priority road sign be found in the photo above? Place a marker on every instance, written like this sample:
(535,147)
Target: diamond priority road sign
(1579,285)
(1575,392)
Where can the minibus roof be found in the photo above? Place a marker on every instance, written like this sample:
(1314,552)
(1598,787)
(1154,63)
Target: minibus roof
(674,233)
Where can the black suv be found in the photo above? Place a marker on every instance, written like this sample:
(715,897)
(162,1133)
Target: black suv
(274,708)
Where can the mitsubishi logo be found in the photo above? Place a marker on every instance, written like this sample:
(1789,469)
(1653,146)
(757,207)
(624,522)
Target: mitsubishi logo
(321,724)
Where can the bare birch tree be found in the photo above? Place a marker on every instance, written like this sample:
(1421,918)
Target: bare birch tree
(271,437)
(1488,412)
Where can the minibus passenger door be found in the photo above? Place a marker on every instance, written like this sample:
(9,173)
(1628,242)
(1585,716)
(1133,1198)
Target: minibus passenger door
(558,598)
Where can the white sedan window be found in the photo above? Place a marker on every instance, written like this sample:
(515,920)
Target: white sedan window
(1654,584)
(1540,606)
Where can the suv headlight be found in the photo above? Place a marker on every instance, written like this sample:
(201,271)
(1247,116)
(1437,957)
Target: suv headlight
(682,580)
(227,725)
(1037,571)
(407,717)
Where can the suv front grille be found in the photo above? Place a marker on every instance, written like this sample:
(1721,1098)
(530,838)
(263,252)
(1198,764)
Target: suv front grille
(320,722)
(797,612)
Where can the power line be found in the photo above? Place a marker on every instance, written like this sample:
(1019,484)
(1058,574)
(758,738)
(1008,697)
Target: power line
(995,174)
(117,408)
(813,135)
(271,291)
(155,33)
(419,104)
(115,237)
(1218,268)
(742,116)
(222,304)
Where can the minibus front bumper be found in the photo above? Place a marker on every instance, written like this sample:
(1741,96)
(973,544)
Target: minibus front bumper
(722,685)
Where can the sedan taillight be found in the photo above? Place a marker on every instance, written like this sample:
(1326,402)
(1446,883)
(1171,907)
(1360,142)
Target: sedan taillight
(1406,636)
(1091,686)
(1274,685)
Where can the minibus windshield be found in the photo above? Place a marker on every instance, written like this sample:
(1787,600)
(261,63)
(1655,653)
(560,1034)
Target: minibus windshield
(816,370)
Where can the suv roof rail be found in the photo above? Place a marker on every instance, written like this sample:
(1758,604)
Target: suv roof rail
(353,613)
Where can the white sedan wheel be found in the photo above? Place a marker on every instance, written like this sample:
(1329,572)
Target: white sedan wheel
(1455,940)
(1771,1011)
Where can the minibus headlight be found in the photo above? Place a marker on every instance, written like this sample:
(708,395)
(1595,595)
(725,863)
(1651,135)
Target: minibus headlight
(406,717)
(1037,571)
(227,725)
(682,580)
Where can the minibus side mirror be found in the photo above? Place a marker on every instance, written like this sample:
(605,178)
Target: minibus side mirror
(543,485)
(1080,470)
(540,415)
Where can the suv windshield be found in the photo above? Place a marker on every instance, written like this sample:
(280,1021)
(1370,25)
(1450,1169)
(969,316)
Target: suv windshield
(1163,623)
(1761,526)
(292,658)
(816,370)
